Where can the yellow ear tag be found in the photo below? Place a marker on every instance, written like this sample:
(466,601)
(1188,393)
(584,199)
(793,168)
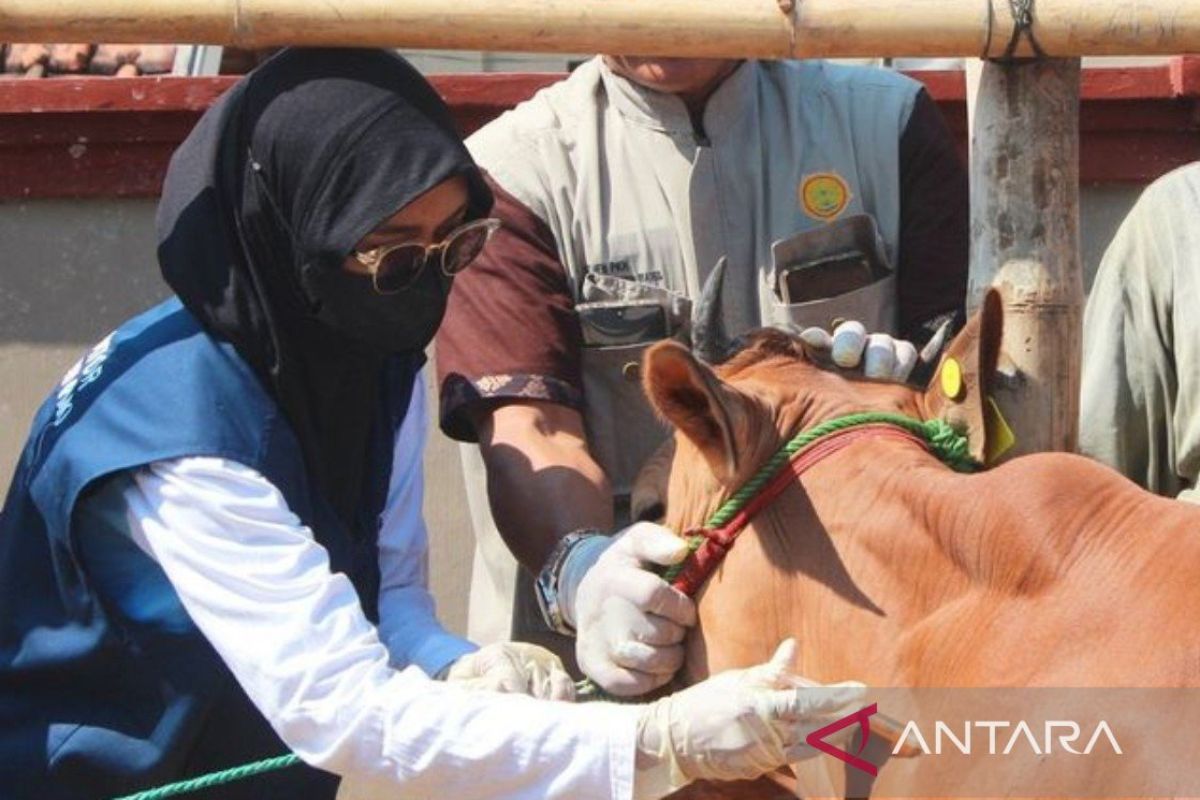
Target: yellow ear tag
(952,380)
(1000,438)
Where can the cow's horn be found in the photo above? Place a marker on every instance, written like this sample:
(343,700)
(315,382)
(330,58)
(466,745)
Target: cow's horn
(933,348)
(710,343)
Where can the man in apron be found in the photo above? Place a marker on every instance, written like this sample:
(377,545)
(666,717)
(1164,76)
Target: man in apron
(620,188)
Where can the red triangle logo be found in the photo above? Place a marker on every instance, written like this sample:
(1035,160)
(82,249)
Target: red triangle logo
(816,739)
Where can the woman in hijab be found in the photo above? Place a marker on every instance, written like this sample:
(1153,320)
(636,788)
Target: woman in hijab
(212,550)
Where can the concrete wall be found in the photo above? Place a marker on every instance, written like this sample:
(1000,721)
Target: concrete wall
(73,270)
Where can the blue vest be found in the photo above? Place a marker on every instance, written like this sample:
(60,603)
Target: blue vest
(106,685)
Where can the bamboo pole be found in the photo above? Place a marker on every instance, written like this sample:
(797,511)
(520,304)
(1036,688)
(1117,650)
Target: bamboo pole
(1024,119)
(698,28)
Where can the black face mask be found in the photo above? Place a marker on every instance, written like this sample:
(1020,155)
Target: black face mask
(348,304)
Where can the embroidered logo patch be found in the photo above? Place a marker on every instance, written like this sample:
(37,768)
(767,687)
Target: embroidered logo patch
(824,195)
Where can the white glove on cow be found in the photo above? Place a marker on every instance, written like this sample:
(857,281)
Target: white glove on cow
(513,667)
(850,346)
(629,622)
(735,726)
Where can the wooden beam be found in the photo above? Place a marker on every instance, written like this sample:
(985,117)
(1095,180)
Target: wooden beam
(99,137)
(1024,167)
(697,28)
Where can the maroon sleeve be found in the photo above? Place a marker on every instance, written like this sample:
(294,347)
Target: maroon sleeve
(510,331)
(934,225)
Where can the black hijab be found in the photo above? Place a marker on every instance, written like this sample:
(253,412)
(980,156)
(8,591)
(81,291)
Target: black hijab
(276,184)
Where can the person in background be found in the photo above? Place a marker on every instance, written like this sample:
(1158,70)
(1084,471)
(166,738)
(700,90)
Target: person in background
(620,188)
(1139,409)
(212,549)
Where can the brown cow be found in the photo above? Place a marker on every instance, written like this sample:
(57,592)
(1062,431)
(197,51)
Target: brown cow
(1048,570)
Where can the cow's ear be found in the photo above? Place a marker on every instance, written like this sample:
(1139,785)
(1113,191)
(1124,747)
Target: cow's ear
(687,394)
(960,391)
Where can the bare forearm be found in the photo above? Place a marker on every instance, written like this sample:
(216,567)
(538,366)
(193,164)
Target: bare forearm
(542,482)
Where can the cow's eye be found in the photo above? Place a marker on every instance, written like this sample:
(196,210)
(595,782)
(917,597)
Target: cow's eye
(651,513)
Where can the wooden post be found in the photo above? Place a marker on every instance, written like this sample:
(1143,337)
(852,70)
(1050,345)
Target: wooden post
(1024,123)
(697,28)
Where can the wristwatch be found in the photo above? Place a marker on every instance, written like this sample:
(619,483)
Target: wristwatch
(548,580)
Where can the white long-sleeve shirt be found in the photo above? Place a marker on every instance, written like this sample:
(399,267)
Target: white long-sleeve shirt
(260,588)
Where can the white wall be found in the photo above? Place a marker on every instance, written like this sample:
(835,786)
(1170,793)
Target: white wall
(442,62)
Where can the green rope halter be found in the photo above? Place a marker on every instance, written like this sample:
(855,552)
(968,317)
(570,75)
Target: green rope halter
(944,441)
(947,444)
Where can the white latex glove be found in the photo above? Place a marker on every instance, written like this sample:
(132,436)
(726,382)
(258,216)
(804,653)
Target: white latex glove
(514,667)
(736,726)
(629,622)
(850,346)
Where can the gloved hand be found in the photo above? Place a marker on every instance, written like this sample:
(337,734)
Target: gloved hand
(850,346)
(515,667)
(629,622)
(735,726)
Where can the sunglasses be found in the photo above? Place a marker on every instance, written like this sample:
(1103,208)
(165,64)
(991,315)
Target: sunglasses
(396,267)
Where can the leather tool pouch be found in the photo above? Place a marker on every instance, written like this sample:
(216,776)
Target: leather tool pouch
(839,271)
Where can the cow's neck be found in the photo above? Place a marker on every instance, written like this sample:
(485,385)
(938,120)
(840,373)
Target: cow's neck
(888,563)
(796,568)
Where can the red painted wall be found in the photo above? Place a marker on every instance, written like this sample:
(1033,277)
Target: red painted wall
(105,137)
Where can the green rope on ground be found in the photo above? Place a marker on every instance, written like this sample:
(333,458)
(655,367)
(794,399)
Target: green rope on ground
(215,778)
